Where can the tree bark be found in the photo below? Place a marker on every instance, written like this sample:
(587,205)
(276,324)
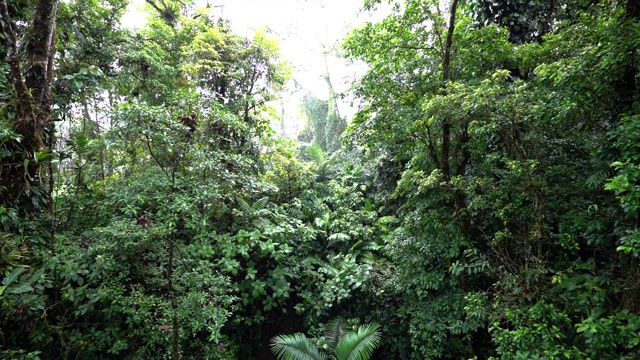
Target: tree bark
(33,95)
(446,77)
(14,60)
(459,198)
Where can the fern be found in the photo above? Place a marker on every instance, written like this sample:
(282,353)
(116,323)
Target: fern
(259,207)
(244,206)
(596,181)
(320,159)
(334,331)
(338,237)
(317,155)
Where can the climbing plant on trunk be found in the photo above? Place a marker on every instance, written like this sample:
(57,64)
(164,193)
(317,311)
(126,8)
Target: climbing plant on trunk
(31,73)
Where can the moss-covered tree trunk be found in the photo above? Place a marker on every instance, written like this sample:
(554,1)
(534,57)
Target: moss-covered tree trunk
(31,73)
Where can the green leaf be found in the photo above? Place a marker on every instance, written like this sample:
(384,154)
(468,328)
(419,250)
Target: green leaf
(37,274)
(295,347)
(20,289)
(338,237)
(334,331)
(13,275)
(360,344)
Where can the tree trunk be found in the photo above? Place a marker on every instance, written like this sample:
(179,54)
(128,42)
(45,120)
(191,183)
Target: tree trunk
(445,150)
(33,96)
(446,77)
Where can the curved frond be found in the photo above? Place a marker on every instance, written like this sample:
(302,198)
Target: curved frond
(260,204)
(338,237)
(244,206)
(387,220)
(359,345)
(334,331)
(295,347)
(317,154)
(321,160)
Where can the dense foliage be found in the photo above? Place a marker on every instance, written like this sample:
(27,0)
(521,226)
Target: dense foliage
(506,140)
(483,202)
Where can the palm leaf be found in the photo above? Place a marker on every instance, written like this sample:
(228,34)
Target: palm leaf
(334,331)
(363,247)
(260,205)
(320,159)
(359,345)
(295,347)
(387,220)
(338,237)
(257,209)
(317,155)
(384,222)
(244,206)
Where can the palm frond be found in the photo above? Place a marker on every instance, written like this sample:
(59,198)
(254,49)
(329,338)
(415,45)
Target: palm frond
(362,246)
(295,347)
(317,155)
(338,237)
(244,206)
(320,159)
(334,331)
(386,220)
(260,204)
(359,345)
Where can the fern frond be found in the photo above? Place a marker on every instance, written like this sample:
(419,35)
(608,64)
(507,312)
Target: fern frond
(317,155)
(338,237)
(260,204)
(295,347)
(334,331)
(387,220)
(359,345)
(244,206)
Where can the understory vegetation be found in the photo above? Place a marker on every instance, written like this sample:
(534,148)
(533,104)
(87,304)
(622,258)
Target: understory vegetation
(482,203)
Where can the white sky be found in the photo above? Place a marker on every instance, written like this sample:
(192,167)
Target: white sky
(303,27)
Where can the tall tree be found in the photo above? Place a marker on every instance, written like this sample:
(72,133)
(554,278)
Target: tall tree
(31,69)
(335,124)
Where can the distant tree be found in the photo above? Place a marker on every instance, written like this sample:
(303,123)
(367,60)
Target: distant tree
(324,123)
(335,125)
(316,111)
